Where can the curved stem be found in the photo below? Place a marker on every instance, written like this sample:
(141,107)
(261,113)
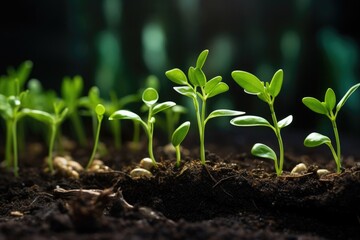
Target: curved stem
(337,160)
(338,147)
(96,143)
(278,165)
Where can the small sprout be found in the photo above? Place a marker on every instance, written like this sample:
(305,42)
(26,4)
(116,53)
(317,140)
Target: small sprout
(266,92)
(199,89)
(299,169)
(99,110)
(327,108)
(322,172)
(150,97)
(146,163)
(178,137)
(140,173)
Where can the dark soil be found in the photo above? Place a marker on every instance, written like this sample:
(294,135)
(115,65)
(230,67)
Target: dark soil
(234,196)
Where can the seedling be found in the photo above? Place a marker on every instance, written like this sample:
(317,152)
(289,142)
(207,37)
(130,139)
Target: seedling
(267,93)
(150,97)
(199,89)
(99,110)
(53,121)
(172,117)
(178,137)
(327,108)
(71,90)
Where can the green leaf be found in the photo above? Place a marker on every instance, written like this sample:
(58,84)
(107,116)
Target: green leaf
(180,133)
(63,114)
(186,91)
(316,139)
(249,82)
(330,99)
(346,96)
(276,83)
(162,106)
(192,78)
(261,150)
(315,105)
(39,115)
(211,84)
(125,114)
(177,76)
(223,113)
(250,121)
(201,59)
(285,122)
(100,109)
(150,96)
(219,88)
(200,77)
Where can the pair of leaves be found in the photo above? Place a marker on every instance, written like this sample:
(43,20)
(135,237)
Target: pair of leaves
(326,107)
(45,117)
(252,85)
(71,90)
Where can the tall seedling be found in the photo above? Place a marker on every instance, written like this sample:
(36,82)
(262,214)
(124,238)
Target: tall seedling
(196,87)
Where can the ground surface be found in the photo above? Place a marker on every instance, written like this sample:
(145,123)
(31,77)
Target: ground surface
(234,197)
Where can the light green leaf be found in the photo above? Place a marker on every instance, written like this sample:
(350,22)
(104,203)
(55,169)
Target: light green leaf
(63,114)
(316,139)
(261,150)
(177,76)
(210,85)
(249,82)
(250,121)
(219,88)
(346,96)
(39,115)
(192,78)
(276,83)
(162,106)
(330,99)
(180,133)
(315,105)
(100,109)
(150,96)
(285,122)
(223,113)
(125,114)
(186,91)
(200,77)
(201,59)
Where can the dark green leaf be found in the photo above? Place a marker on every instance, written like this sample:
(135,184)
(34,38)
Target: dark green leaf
(180,133)
(201,59)
(250,121)
(330,99)
(285,122)
(249,82)
(315,105)
(346,96)
(162,106)
(261,150)
(276,83)
(316,139)
(177,76)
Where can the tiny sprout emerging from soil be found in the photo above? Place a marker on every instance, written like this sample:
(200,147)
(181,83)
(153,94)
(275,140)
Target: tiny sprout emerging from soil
(99,110)
(199,89)
(178,137)
(327,108)
(150,97)
(266,92)
(53,121)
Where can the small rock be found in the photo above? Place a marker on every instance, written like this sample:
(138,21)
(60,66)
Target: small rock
(146,163)
(139,173)
(16,214)
(299,169)
(322,172)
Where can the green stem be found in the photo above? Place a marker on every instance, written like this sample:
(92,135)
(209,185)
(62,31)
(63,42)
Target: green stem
(8,159)
(116,129)
(96,142)
(51,147)
(150,131)
(178,155)
(202,132)
(278,166)
(15,149)
(338,164)
(338,147)
(79,131)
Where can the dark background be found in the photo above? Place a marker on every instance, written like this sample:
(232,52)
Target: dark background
(117,44)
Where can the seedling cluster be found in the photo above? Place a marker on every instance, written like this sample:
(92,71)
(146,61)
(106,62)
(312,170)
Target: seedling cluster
(34,104)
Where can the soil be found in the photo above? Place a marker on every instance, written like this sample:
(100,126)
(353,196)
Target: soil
(234,196)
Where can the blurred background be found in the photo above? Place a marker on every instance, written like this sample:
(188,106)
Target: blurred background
(117,44)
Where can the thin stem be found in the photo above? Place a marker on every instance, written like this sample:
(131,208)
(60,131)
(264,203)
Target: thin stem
(337,160)
(150,131)
(97,135)
(8,146)
(79,131)
(51,147)
(278,166)
(202,132)
(338,147)
(178,155)
(15,153)
(116,129)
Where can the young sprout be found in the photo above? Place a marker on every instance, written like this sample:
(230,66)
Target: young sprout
(172,117)
(327,108)
(199,89)
(150,97)
(99,110)
(53,121)
(11,111)
(71,90)
(178,137)
(267,93)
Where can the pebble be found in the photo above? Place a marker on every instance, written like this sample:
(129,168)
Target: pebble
(299,169)
(146,163)
(322,172)
(139,173)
